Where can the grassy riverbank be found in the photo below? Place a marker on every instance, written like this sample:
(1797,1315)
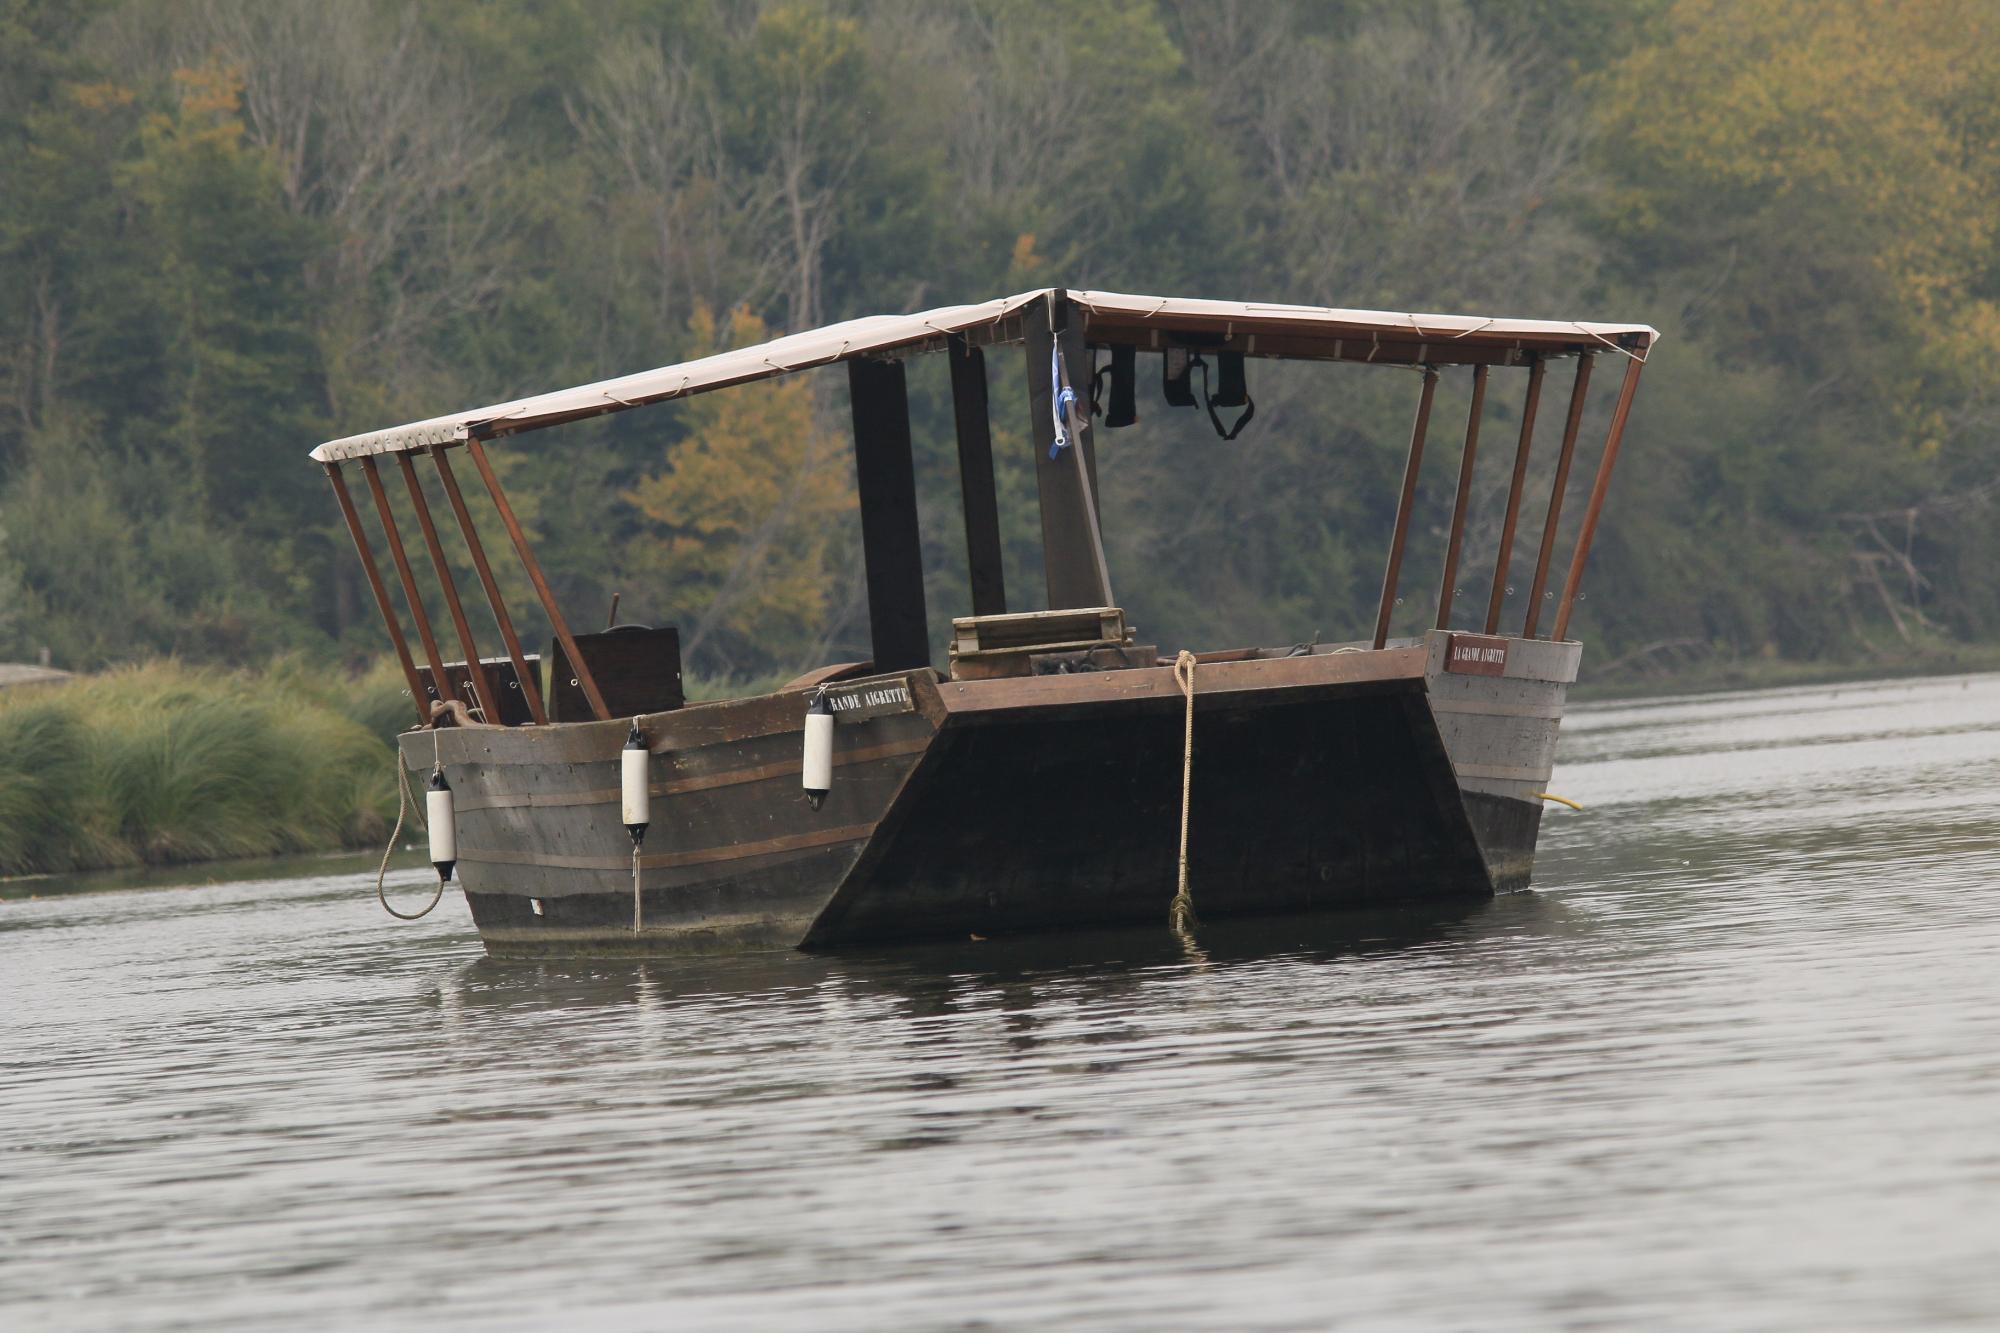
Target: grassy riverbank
(162,763)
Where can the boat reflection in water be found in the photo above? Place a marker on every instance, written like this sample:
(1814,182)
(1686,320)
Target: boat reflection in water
(939,977)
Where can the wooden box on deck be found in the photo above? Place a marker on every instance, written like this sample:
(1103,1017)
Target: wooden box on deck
(638,670)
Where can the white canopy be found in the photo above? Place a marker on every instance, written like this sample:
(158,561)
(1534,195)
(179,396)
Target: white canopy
(882,333)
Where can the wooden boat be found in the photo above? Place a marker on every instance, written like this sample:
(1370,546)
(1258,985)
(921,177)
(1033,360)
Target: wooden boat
(1036,781)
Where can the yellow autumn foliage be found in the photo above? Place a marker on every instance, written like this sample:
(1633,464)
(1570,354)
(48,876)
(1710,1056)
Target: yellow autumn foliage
(746,518)
(1883,111)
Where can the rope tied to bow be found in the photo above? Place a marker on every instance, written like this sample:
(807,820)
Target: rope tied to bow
(1180,913)
(638,903)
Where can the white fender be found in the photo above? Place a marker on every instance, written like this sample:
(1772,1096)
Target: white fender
(817,771)
(635,784)
(443,822)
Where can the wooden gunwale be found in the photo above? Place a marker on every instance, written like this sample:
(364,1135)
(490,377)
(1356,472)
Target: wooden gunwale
(676,786)
(704,725)
(993,699)
(701,726)
(695,727)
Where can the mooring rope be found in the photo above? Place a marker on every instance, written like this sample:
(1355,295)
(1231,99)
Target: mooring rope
(1180,914)
(460,715)
(406,804)
(638,904)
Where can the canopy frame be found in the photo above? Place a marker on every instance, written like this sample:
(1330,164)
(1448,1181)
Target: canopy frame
(1058,330)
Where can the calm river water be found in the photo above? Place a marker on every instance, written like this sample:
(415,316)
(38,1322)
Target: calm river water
(1735,1064)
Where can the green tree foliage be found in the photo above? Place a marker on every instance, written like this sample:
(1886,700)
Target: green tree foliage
(232,228)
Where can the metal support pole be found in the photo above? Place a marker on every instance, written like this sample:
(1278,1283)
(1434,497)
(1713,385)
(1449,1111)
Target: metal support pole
(1626,390)
(475,674)
(530,687)
(885,483)
(585,681)
(381,591)
(1556,488)
(1458,506)
(439,680)
(1514,488)
(975,477)
(1411,466)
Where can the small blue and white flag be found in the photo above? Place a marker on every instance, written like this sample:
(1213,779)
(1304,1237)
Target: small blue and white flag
(1062,397)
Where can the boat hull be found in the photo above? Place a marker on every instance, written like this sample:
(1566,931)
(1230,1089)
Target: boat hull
(1013,806)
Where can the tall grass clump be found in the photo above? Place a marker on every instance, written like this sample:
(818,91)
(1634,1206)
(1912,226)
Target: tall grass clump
(42,781)
(378,698)
(162,763)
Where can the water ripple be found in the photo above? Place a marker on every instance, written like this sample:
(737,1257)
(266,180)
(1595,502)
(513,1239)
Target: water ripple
(1731,1067)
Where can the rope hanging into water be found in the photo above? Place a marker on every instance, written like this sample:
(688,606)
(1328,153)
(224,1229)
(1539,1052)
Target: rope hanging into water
(406,804)
(638,904)
(1180,914)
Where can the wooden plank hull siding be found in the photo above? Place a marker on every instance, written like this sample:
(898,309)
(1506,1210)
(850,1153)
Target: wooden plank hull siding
(1501,733)
(734,858)
(1014,805)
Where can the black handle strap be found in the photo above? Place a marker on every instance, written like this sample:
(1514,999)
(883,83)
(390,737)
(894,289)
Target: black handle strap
(1231,432)
(1208,401)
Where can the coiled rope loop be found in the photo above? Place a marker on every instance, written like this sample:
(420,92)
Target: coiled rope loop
(406,804)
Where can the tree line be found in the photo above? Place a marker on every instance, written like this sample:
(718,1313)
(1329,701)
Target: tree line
(230,229)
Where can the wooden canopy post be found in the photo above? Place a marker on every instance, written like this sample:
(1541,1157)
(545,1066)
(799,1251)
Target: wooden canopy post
(475,674)
(1072,562)
(530,687)
(585,681)
(1505,557)
(381,591)
(1411,466)
(891,544)
(1465,463)
(439,680)
(1627,388)
(1556,488)
(975,477)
